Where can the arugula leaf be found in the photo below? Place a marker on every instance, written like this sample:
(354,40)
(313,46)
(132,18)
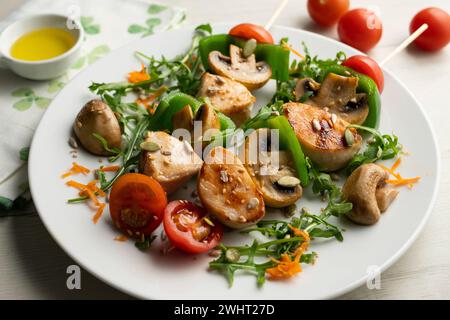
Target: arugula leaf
(381,147)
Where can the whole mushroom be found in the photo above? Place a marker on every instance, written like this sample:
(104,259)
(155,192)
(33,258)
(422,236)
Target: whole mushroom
(366,189)
(242,69)
(96,117)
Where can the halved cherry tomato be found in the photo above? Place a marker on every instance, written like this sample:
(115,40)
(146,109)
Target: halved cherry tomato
(327,12)
(187,228)
(437,36)
(137,204)
(367,66)
(251,31)
(360,28)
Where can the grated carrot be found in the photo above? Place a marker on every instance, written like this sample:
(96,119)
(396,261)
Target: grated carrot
(396,164)
(99,212)
(110,168)
(399,180)
(90,190)
(138,76)
(403,181)
(121,238)
(76,168)
(93,186)
(287,267)
(396,175)
(147,102)
(287,46)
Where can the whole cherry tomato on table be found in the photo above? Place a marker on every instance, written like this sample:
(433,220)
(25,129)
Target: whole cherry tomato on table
(437,36)
(327,12)
(188,227)
(367,66)
(137,204)
(360,28)
(252,31)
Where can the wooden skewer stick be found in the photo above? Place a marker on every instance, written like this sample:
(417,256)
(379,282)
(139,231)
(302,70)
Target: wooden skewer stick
(276,14)
(405,43)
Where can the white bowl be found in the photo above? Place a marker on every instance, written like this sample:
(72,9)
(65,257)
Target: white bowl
(42,69)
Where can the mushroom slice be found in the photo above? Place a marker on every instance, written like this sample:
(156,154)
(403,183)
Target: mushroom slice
(242,69)
(227,191)
(338,94)
(183,119)
(96,117)
(322,139)
(271,170)
(168,160)
(305,85)
(366,189)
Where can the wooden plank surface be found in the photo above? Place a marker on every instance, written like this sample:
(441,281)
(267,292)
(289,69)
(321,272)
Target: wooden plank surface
(32,266)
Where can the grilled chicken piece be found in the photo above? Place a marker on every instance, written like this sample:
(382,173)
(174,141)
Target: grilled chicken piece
(322,140)
(337,94)
(227,191)
(227,96)
(271,170)
(168,160)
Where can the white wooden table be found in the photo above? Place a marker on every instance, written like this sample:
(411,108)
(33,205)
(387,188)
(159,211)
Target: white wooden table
(32,266)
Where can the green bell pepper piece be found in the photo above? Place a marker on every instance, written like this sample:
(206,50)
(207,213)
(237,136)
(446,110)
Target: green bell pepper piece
(225,122)
(169,105)
(275,55)
(365,85)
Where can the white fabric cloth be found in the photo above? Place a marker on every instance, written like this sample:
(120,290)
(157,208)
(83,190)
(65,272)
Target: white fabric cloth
(108,24)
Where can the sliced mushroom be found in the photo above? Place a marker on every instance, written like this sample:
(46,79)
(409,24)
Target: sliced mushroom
(227,191)
(168,160)
(96,117)
(366,189)
(242,69)
(183,119)
(305,85)
(338,94)
(271,170)
(227,96)
(322,139)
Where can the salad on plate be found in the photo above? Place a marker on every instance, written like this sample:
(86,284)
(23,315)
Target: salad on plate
(192,122)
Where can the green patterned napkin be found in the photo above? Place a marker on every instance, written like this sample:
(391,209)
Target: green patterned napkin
(108,24)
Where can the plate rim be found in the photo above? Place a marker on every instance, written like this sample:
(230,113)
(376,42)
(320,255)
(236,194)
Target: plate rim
(351,286)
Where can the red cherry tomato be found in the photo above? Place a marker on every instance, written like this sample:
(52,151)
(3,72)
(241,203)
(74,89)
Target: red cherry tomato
(187,229)
(327,12)
(360,28)
(367,66)
(437,36)
(137,204)
(252,31)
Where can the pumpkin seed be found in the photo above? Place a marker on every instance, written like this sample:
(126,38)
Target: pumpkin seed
(249,47)
(288,181)
(232,255)
(150,146)
(208,221)
(349,138)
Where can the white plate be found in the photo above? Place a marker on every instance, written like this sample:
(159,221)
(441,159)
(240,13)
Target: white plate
(340,267)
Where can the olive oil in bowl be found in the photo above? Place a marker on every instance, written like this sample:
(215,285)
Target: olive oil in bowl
(42,44)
